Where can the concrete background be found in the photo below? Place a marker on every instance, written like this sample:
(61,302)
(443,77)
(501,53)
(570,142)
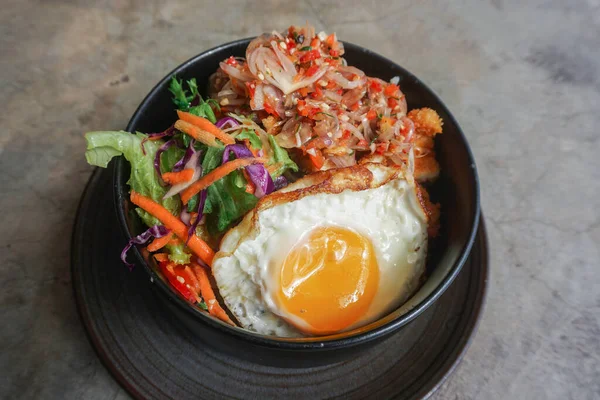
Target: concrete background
(523,80)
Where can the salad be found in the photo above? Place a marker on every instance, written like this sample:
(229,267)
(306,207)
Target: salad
(291,107)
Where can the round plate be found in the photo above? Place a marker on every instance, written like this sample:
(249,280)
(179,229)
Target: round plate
(154,357)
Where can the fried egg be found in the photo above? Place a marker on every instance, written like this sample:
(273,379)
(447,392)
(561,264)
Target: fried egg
(331,252)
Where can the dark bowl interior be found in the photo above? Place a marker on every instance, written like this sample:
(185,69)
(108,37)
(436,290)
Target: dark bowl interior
(457,190)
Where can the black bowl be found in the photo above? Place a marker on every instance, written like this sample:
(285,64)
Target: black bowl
(457,190)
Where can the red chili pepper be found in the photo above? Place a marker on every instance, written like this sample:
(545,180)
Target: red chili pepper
(330,39)
(231,61)
(318,93)
(302,109)
(392,103)
(291,45)
(371,115)
(346,134)
(381,148)
(404,129)
(375,86)
(303,91)
(318,160)
(269,109)
(251,86)
(331,85)
(175,275)
(312,70)
(391,90)
(334,53)
(362,143)
(310,56)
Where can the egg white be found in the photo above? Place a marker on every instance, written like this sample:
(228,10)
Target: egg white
(247,267)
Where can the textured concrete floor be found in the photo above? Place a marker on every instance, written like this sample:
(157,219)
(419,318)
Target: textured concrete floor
(523,80)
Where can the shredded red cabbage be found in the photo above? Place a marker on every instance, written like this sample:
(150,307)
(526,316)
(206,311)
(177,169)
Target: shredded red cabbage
(261,178)
(280,182)
(200,211)
(258,174)
(157,231)
(227,121)
(170,131)
(185,216)
(239,150)
(161,150)
(180,165)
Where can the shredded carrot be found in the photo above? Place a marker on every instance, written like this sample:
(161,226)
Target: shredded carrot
(173,178)
(250,187)
(206,125)
(161,257)
(214,308)
(197,245)
(217,174)
(159,243)
(195,132)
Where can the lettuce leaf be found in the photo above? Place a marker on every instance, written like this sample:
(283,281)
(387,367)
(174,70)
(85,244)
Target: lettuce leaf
(252,138)
(169,158)
(227,200)
(178,253)
(102,146)
(281,157)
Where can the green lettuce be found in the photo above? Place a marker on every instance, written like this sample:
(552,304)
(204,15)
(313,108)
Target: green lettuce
(169,158)
(104,145)
(227,200)
(280,156)
(252,138)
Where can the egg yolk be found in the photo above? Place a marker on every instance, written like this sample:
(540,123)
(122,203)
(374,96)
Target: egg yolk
(328,280)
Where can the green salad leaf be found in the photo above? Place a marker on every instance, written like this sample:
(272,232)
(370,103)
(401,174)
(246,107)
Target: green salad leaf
(104,145)
(281,157)
(252,138)
(183,101)
(178,253)
(169,158)
(227,199)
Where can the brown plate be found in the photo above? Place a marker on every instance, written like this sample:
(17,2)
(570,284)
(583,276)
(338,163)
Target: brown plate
(153,356)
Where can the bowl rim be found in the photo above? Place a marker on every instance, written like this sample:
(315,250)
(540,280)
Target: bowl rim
(370,332)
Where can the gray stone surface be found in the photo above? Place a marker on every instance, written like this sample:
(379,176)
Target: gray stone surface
(523,80)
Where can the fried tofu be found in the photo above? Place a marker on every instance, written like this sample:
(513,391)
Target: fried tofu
(426,168)
(427,121)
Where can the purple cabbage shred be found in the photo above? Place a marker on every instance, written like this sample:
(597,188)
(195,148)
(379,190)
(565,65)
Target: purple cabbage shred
(258,174)
(157,231)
